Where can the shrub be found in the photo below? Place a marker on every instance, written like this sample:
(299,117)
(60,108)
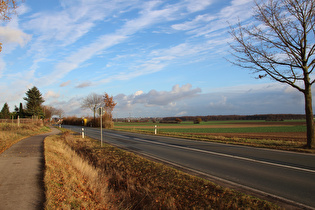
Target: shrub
(178,120)
(197,120)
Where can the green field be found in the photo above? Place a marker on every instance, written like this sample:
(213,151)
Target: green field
(189,123)
(235,130)
(206,127)
(285,135)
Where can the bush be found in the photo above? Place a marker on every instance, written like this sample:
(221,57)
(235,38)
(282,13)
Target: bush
(197,120)
(178,120)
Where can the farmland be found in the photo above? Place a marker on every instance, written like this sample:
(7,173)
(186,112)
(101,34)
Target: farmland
(286,135)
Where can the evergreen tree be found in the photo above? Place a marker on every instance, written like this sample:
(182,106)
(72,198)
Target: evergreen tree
(5,112)
(21,111)
(34,101)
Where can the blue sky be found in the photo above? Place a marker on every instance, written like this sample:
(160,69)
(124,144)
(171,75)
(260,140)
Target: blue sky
(156,58)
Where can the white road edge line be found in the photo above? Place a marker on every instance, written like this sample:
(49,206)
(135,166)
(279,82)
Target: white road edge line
(230,156)
(228,182)
(226,155)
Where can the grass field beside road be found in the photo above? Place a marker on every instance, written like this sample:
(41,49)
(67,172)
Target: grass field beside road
(285,135)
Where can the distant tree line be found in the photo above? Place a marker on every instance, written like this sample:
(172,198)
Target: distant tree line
(267,117)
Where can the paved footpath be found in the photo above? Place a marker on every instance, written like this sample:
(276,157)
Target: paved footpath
(21,174)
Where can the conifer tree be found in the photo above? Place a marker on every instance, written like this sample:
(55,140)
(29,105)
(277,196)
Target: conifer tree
(5,112)
(34,101)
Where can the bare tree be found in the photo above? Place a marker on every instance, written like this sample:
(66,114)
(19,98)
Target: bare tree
(51,111)
(48,111)
(93,101)
(58,112)
(280,44)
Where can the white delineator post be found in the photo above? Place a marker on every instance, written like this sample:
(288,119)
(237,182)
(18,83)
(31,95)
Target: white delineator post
(82,133)
(155,129)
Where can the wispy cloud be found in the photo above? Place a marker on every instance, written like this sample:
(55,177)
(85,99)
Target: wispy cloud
(84,85)
(149,15)
(194,6)
(197,22)
(203,25)
(61,28)
(107,44)
(77,18)
(64,84)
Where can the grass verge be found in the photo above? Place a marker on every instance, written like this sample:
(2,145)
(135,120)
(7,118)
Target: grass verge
(12,133)
(70,182)
(130,181)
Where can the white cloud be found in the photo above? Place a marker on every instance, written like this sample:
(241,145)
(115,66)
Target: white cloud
(194,6)
(138,93)
(184,100)
(71,107)
(10,35)
(23,9)
(158,98)
(51,94)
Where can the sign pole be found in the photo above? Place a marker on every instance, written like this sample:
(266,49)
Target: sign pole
(101,127)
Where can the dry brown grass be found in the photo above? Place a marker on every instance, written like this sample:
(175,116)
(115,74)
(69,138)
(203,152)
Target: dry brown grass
(70,182)
(130,181)
(12,133)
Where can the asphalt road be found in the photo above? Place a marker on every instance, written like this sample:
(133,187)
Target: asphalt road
(287,176)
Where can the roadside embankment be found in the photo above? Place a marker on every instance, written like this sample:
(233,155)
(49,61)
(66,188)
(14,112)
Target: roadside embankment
(81,173)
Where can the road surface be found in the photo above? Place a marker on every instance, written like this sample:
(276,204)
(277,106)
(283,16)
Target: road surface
(288,176)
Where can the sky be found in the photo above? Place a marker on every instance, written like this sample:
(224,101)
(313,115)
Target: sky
(156,58)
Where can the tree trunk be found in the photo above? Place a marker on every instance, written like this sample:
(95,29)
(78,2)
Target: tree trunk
(309,117)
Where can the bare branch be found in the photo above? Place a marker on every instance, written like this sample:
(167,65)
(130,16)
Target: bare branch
(279,47)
